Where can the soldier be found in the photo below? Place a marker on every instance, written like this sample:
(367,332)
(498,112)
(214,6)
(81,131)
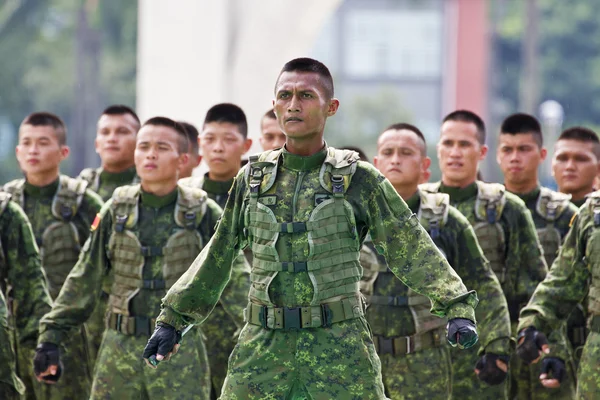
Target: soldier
(115,143)
(520,153)
(304,211)
(271,136)
(408,339)
(576,163)
(22,279)
(223,142)
(574,276)
(60,210)
(502,224)
(147,235)
(194,157)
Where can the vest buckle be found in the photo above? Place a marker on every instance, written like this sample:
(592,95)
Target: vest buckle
(385,344)
(326,316)
(337,183)
(262,316)
(142,326)
(120,224)
(291,318)
(66,212)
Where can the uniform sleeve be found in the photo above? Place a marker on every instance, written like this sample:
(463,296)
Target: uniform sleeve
(525,259)
(83,285)
(191,299)
(493,320)
(235,294)
(30,296)
(411,254)
(565,286)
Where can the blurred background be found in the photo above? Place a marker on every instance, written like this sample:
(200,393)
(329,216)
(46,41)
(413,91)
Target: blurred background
(392,61)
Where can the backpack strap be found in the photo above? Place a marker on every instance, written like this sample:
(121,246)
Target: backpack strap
(190,207)
(433,212)
(4,200)
(337,171)
(124,207)
(550,204)
(92,177)
(68,198)
(430,187)
(16,188)
(490,201)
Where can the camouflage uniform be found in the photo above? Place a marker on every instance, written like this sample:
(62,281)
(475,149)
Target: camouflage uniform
(574,275)
(146,242)
(409,340)
(305,219)
(60,215)
(219,330)
(104,183)
(551,212)
(21,269)
(507,236)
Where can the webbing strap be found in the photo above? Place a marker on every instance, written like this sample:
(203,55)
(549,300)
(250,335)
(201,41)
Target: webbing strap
(402,345)
(130,325)
(303,266)
(595,324)
(395,301)
(293,318)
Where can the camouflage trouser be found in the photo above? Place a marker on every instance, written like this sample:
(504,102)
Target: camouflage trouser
(465,384)
(75,381)
(219,330)
(425,374)
(588,375)
(11,386)
(318,364)
(94,328)
(121,372)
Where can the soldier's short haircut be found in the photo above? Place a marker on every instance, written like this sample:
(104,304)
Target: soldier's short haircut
(192,135)
(582,134)
(169,123)
(471,117)
(361,153)
(521,123)
(120,109)
(310,65)
(404,126)
(44,118)
(230,113)
(270,114)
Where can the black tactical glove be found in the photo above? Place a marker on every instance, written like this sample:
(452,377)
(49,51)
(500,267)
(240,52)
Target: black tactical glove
(553,368)
(461,332)
(162,342)
(489,372)
(47,355)
(531,343)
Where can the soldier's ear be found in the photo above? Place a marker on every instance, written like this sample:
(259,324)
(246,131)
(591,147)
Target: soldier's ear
(543,153)
(183,159)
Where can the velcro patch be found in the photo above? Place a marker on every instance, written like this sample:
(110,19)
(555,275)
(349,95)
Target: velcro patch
(268,200)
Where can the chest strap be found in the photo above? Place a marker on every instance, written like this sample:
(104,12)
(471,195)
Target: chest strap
(402,345)
(293,318)
(130,325)
(303,266)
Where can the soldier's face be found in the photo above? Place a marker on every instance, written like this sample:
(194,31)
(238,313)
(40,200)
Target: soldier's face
(519,157)
(38,150)
(157,156)
(302,105)
(115,140)
(574,166)
(400,158)
(271,135)
(459,153)
(222,146)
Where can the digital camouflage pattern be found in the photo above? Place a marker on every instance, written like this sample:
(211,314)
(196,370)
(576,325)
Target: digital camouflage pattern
(219,331)
(574,275)
(525,267)
(59,255)
(410,376)
(20,269)
(120,351)
(104,184)
(11,387)
(528,385)
(323,363)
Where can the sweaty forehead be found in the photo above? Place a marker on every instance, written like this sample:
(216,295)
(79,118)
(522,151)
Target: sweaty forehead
(299,81)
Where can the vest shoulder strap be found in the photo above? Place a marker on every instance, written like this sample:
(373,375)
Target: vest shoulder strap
(192,181)
(190,207)
(15,188)
(261,171)
(593,201)
(550,204)
(337,170)
(433,187)
(490,201)
(89,175)
(433,212)
(124,207)
(4,200)
(68,197)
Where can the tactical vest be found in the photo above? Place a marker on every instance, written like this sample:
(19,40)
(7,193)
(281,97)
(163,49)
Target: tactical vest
(433,215)
(128,255)
(60,244)
(489,205)
(331,229)
(92,177)
(192,181)
(550,206)
(592,255)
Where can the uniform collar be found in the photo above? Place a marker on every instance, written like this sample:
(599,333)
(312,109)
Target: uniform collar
(41,191)
(124,177)
(530,196)
(579,203)
(216,187)
(152,200)
(414,201)
(459,194)
(303,163)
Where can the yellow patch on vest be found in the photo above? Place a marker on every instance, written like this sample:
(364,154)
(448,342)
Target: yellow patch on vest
(572,220)
(96,223)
